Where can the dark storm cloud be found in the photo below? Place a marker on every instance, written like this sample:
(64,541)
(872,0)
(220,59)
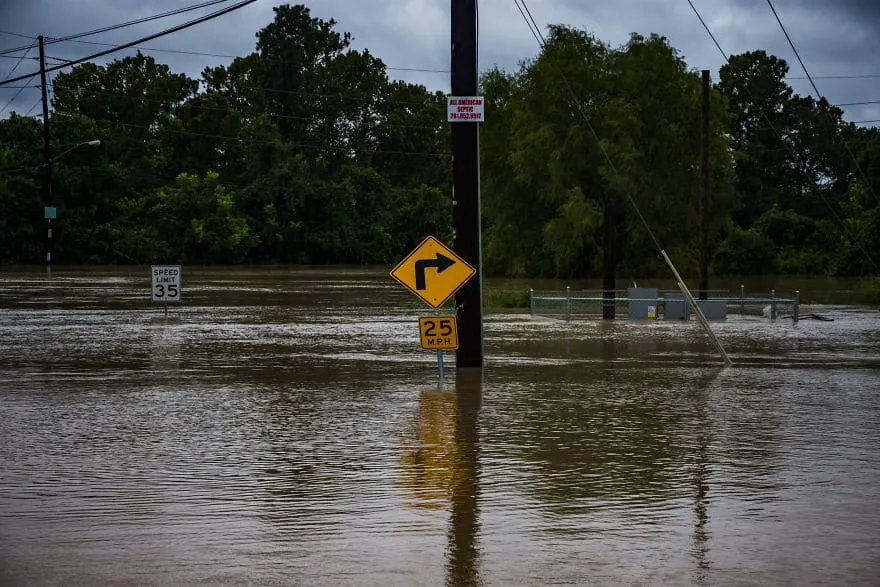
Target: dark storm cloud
(834,37)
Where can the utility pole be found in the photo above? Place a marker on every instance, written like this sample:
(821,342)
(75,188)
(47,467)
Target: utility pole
(704,189)
(610,260)
(47,154)
(466,186)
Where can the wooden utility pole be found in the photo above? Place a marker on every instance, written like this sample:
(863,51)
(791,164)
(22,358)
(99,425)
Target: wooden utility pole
(466,186)
(609,271)
(47,153)
(704,189)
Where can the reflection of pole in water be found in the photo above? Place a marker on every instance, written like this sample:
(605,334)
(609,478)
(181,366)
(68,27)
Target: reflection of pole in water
(462,550)
(701,515)
(442,469)
(700,547)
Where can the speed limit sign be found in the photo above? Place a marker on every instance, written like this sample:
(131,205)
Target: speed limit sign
(166,283)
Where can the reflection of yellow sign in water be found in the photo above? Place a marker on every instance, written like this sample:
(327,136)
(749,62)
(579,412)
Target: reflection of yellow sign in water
(438,333)
(427,470)
(433,272)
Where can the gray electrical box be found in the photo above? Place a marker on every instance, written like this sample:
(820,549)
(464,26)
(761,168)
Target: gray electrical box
(642,303)
(675,307)
(713,309)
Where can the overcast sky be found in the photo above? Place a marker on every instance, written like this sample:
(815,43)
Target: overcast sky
(834,37)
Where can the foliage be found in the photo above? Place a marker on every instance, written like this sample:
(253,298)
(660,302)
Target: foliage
(746,252)
(546,214)
(495,298)
(304,151)
(803,245)
(869,291)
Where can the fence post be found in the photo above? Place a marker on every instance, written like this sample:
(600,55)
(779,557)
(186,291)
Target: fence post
(797,306)
(568,303)
(773,304)
(742,300)
(531,302)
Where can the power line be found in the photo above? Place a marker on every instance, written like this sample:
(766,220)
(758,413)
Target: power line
(139,172)
(189,105)
(17,35)
(536,32)
(13,98)
(17,63)
(264,141)
(339,96)
(37,103)
(125,24)
(836,76)
(819,96)
(773,127)
(204,54)
(175,29)
(857,103)
(16,57)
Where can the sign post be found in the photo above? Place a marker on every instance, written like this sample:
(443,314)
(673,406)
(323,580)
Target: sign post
(438,333)
(434,273)
(167,284)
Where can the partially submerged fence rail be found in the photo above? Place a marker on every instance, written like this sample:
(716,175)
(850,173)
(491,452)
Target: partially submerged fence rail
(667,305)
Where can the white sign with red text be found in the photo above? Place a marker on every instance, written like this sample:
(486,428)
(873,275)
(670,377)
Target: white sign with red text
(464,108)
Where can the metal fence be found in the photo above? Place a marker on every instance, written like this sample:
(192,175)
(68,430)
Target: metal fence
(668,305)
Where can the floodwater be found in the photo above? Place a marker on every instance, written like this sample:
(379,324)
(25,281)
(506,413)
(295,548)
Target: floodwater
(282,427)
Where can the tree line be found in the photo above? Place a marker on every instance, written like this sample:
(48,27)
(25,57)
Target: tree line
(306,152)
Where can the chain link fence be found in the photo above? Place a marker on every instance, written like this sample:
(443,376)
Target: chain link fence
(579,304)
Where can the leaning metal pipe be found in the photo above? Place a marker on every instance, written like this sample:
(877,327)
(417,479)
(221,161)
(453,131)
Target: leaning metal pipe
(696,308)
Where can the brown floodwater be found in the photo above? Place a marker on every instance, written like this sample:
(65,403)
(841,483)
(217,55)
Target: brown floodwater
(283,428)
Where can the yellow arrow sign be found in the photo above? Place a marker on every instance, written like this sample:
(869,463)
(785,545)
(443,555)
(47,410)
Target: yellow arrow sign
(433,272)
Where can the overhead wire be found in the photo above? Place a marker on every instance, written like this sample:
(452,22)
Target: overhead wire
(260,141)
(774,129)
(149,174)
(32,108)
(16,34)
(536,32)
(162,33)
(837,76)
(114,27)
(530,21)
(857,103)
(227,56)
(14,97)
(338,96)
(17,63)
(820,97)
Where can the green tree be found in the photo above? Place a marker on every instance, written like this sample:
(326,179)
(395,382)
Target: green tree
(552,187)
(21,230)
(754,85)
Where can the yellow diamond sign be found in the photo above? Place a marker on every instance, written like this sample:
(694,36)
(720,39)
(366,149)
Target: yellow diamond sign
(433,272)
